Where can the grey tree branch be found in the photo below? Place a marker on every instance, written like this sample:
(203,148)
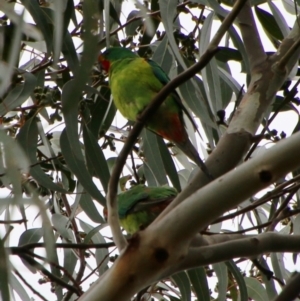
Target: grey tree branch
(251,38)
(154,252)
(245,247)
(266,80)
(223,194)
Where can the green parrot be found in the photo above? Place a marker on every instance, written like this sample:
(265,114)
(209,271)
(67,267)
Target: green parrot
(139,206)
(134,82)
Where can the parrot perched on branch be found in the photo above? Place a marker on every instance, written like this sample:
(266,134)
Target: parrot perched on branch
(139,206)
(134,82)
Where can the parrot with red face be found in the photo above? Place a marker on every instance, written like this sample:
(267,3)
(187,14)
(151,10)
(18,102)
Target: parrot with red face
(134,81)
(139,206)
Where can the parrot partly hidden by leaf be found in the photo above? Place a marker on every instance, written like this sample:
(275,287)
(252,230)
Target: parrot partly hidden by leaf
(139,206)
(134,82)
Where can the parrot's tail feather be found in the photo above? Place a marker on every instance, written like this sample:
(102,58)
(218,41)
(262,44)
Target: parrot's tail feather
(188,148)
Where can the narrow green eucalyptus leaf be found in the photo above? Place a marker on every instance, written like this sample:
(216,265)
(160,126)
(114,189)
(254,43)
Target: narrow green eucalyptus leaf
(269,23)
(226,90)
(199,282)
(148,35)
(279,19)
(4,273)
(131,28)
(217,8)
(231,82)
(291,6)
(232,267)
(69,52)
(71,94)
(75,162)
(88,206)
(95,158)
(194,100)
(168,9)
(11,53)
(112,12)
(255,289)
(41,21)
(222,275)
(102,255)
(168,162)
(102,111)
(70,261)
(60,223)
(153,157)
(18,287)
(226,54)
(269,283)
(238,43)
(94,231)
(58,32)
(28,138)
(145,172)
(210,72)
(69,14)
(18,94)
(183,283)
(32,235)
(162,55)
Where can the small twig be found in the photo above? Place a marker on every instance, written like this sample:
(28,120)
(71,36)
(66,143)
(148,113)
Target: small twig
(266,198)
(134,168)
(290,96)
(17,221)
(292,289)
(29,286)
(18,250)
(94,270)
(78,239)
(54,265)
(49,274)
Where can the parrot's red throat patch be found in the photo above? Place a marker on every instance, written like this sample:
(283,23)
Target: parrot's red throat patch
(105,64)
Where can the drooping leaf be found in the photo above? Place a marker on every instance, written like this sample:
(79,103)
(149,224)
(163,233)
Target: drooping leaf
(232,267)
(38,14)
(4,273)
(199,282)
(183,283)
(87,205)
(75,162)
(153,157)
(102,257)
(269,24)
(30,236)
(221,272)
(168,164)
(96,161)
(28,137)
(255,289)
(18,94)
(131,28)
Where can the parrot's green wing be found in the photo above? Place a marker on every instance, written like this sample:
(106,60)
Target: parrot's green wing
(164,79)
(139,206)
(140,198)
(128,199)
